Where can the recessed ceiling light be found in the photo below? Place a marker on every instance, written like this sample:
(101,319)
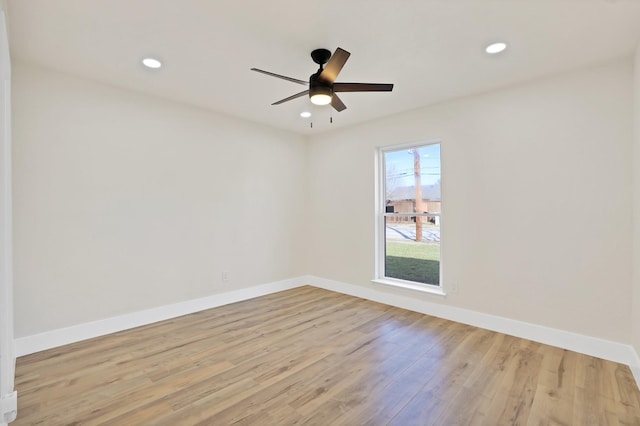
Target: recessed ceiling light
(151,63)
(494,48)
(305,114)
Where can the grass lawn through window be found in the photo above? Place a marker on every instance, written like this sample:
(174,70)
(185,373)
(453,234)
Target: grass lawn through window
(413,261)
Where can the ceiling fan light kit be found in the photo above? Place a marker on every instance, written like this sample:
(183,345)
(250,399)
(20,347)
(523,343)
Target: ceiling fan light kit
(320,95)
(322,84)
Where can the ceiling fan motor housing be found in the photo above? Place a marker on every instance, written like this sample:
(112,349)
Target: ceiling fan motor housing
(319,93)
(318,88)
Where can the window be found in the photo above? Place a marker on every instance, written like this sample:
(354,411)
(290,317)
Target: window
(409,215)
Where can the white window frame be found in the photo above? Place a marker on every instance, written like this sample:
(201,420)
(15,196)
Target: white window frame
(381,214)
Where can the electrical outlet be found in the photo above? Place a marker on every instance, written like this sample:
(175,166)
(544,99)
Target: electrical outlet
(453,287)
(225,276)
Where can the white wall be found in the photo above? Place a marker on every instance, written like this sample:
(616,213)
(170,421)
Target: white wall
(8,397)
(124,202)
(537,200)
(636,209)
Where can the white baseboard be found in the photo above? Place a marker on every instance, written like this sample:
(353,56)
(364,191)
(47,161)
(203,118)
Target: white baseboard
(605,349)
(63,336)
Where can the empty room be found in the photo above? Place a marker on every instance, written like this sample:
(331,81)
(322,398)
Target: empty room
(421,212)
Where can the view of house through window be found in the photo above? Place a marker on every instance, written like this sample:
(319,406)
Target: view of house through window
(411,215)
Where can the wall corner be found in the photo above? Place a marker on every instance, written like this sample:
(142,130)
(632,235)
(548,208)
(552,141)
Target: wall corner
(635,280)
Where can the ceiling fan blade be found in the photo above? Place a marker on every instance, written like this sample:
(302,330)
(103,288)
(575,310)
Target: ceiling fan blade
(362,87)
(297,95)
(337,103)
(333,67)
(293,80)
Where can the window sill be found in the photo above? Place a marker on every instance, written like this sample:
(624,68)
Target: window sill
(410,286)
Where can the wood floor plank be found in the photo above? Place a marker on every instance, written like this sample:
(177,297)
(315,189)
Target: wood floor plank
(556,384)
(313,357)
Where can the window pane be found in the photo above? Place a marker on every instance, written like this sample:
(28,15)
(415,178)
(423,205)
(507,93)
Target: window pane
(411,175)
(412,185)
(408,259)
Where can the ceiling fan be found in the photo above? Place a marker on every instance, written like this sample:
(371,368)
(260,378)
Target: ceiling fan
(323,88)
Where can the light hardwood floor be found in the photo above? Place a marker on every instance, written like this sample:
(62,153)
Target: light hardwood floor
(310,356)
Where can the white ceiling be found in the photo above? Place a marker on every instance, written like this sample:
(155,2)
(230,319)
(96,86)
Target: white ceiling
(432,50)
